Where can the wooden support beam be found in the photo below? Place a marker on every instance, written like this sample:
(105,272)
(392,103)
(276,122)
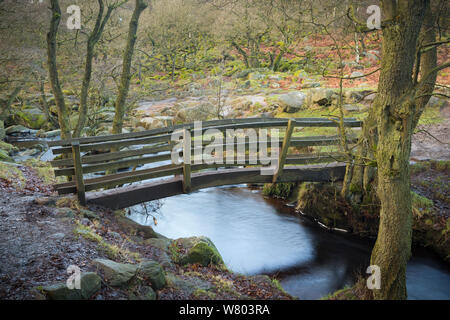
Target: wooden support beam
(78,172)
(284,150)
(187,161)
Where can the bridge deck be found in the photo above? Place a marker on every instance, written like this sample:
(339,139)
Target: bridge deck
(134,194)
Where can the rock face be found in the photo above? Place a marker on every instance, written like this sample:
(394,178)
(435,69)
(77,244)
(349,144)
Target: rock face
(292,102)
(154,273)
(90,283)
(115,274)
(194,250)
(32,118)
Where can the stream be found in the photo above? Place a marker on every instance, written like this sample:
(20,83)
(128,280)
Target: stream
(256,235)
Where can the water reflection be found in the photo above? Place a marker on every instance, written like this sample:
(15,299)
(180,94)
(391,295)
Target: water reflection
(258,235)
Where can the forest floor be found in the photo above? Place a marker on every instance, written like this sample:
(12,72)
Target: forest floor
(41,235)
(432,141)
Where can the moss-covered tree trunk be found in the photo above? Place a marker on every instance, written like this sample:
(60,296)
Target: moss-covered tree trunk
(94,37)
(382,163)
(63,112)
(126,68)
(395,109)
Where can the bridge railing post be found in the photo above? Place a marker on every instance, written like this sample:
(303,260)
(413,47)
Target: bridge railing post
(284,150)
(187,161)
(81,191)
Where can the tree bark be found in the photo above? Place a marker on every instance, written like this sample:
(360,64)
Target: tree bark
(63,112)
(93,39)
(395,108)
(124,86)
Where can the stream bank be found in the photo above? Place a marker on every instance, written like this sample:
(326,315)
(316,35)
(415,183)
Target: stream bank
(43,234)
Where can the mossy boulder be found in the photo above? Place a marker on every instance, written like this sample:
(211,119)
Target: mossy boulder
(115,274)
(135,229)
(195,250)
(90,283)
(18,130)
(153,273)
(4,156)
(293,102)
(32,118)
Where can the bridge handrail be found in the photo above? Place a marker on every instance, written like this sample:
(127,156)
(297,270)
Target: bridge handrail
(161,147)
(166,130)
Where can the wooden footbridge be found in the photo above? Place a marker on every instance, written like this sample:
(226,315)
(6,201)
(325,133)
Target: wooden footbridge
(108,156)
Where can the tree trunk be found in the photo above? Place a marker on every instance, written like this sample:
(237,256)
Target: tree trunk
(63,112)
(6,107)
(94,37)
(126,68)
(395,111)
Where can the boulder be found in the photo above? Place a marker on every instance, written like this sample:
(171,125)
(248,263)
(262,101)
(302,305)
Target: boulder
(200,112)
(8,147)
(115,274)
(194,250)
(152,272)
(60,291)
(292,102)
(90,283)
(32,118)
(19,130)
(321,96)
(131,227)
(4,156)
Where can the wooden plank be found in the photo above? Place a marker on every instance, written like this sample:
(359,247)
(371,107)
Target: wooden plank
(187,161)
(91,168)
(113,155)
(284,150)
(300,159)
(128,196)
(70,187)
(116,144)
(78,172)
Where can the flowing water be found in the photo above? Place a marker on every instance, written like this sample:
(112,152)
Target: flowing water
(258,235)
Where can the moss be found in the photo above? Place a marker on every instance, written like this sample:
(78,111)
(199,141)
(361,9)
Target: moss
(195,250)
(44,171)
(203,294)
(279,190)
(421,205)
(87,233)
(13,175)
(9,148)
